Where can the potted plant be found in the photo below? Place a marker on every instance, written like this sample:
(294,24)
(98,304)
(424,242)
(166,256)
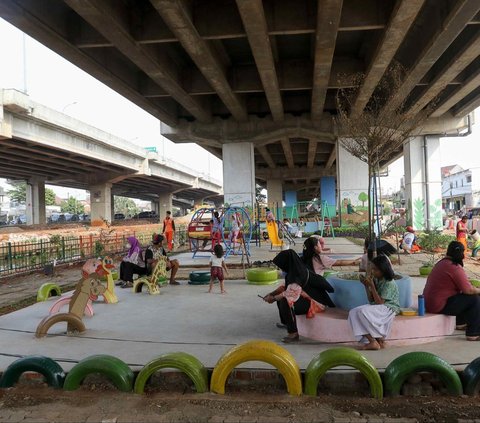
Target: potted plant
(432,242)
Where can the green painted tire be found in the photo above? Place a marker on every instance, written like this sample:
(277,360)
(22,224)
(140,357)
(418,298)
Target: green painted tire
(425,270)
(471,378)
(328,273)
(475,283)
(187,363)
(199,277)
(162,281)
(51,370)
(342,357)
(115,369)
(402,367)
(262,276)
(47,290)
(114,276)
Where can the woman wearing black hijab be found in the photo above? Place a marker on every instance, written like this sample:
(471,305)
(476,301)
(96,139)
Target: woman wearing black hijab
(313,287)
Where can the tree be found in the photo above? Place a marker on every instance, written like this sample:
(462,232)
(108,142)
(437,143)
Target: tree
(260,197)
(375,134)
(363,197)
(125,205)
(49,197)
(19,193)
(73,206)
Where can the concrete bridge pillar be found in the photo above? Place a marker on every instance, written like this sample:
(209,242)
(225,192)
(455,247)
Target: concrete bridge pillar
(352,180)
(35,210)
(101,206)
(239,174)
(165,200)
(423,182)
(275,197)
(327,193)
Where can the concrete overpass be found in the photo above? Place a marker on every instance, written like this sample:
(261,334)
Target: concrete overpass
(45,146)
(255,81)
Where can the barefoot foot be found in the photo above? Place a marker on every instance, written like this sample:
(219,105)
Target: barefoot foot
(372,346)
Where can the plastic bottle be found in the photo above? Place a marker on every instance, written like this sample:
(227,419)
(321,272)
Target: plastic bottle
(421,305)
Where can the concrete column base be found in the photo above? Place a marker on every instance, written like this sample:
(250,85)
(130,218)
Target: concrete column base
(423,183)
(101,207)
(35,210)
(352,185)
(239,174)
(275,197)
(165,204)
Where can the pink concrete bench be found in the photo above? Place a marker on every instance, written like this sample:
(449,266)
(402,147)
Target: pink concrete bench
(332,327)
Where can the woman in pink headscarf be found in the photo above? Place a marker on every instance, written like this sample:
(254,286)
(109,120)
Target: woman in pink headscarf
(132,263)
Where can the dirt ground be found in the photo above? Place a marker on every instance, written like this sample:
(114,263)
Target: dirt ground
(94,404)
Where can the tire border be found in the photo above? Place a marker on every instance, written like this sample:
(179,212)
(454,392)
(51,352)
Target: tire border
(50,369)
(115,369)
(186,363)
(413,362)
(471,377)
(341,356)
(45,291)
(257,350)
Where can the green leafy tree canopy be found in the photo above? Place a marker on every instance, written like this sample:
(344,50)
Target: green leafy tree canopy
(363,197)
(125,205)
(19,193)
(72,205)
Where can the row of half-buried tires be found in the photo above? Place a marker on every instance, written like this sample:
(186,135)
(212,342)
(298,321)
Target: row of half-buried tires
(120,374)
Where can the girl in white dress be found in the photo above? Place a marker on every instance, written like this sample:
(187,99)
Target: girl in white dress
(371,323)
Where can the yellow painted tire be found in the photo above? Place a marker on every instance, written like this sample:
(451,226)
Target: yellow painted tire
(47,290)
(257,350)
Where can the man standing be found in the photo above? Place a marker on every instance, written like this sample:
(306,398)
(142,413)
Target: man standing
(169,230)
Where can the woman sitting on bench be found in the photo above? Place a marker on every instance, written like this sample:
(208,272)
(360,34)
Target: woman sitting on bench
(371,323)
(154,252)
(318,262)
(304,292)
(132,263)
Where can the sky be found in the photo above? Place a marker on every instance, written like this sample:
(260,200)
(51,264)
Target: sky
(56,83)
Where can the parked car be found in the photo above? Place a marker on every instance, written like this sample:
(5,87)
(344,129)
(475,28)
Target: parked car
(147,215)
(119,216)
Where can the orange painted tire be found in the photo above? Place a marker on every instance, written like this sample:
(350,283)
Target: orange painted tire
(50,320)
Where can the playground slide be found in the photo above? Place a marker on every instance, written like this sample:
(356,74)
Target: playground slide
(272,230)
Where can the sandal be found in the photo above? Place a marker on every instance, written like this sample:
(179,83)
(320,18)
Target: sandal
(461,327)
(473,338)
(291,339)
(127,285)
(119,282)
(174,283)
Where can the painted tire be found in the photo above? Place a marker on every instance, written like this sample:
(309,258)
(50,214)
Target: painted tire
(61,302)
(402,367)
(475,283)
(187,363)
(342,357)
(471,377)
(115,369)
(262,276)
(48,290)
(199,277)
(257,350)
(47,322)
(114,276)
(51,370)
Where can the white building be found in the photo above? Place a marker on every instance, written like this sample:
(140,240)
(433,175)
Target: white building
(460,188)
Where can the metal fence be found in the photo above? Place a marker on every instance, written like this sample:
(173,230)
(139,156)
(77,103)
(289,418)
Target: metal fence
(24,256)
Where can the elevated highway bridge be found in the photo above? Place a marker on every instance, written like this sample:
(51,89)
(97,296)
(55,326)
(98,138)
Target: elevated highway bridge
(255,81)
(42,146)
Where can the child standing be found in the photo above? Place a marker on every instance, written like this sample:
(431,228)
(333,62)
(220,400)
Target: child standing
(217,266)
